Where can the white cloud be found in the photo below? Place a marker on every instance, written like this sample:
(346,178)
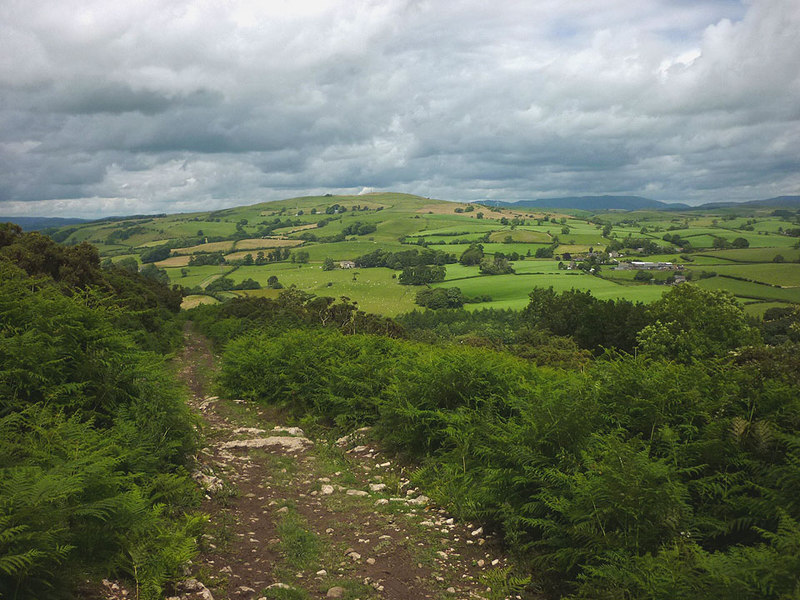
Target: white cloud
(197,104)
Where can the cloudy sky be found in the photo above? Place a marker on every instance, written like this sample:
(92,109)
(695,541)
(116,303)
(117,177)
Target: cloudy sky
(176,105)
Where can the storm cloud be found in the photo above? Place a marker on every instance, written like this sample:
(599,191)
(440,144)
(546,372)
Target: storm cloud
(170,105)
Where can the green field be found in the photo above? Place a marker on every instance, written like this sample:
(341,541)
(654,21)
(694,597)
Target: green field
(511,291)
(375,290)
(750,290)
(782,274)
(403,217)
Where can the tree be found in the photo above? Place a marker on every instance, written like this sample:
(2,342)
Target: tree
(156,254)
(740,242)
(273,283)
(495,266)
(422,274)
(153,272)
(328,264)
(129,264)
(472,255)
(691,323)
(301,256)
(248,284)
(435,298)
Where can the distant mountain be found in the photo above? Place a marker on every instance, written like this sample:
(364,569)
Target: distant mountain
(592,203)
(637,203)
(36,223)
(782,201)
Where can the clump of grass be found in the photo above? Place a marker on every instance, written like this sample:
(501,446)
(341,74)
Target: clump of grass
(286,594)
(299,546)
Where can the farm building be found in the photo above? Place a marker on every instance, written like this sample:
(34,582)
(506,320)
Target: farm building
(649,266)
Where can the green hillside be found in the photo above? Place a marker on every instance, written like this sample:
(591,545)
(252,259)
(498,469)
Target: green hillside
(291,239)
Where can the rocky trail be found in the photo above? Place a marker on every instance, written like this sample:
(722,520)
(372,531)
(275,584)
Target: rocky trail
(298,518)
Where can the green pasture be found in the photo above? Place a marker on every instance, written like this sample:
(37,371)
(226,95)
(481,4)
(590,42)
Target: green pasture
(532,266)
(447,239)
(756,255)
(195,275)
(628,276)
(476,226)
(511,291)
(520,235)
(747,289)
(757,309)
(782,274)
(349,250)
(573,248)
(680,259)
(375,290)
(593,239)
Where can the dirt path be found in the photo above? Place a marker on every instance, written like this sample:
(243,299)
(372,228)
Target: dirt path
(297,518)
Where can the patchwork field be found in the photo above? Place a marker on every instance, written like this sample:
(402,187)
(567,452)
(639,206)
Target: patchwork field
(341,228)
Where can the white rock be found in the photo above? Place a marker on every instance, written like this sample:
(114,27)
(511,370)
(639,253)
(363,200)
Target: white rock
(292,444)
(248,430)
(377,487)
(290,430)
(420,500)
(359,493)
(477,532)
(327,490)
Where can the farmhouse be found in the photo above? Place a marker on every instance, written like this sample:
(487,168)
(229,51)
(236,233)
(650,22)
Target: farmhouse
(649,266)
(347,264)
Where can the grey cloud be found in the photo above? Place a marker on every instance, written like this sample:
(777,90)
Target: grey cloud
(188,105)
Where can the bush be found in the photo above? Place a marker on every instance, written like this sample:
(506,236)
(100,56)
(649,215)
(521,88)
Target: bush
(93,435)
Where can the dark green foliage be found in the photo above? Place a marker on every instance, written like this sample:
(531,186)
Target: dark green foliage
(690,323)
(592,323)
(420,275)
(404,259)
(211,258)
(248,284)
(633,478)
(497,265)
(153,272)
(146,306)
(434,298)
(155,254)
(301,256)
(472,255)
(293,308)
(93,435)
(781,325)
(359,228)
